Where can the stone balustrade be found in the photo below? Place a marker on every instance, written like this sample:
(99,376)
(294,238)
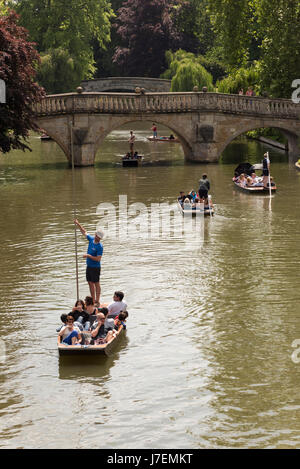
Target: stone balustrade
(161,103)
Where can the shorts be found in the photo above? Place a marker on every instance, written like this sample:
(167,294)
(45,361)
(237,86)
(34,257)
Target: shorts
(203,193)
(93,274)
(265,172)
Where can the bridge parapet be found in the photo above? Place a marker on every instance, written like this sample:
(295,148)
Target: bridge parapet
(131,103)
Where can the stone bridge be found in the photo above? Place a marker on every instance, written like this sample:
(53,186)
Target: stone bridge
(126,84)
(205,123)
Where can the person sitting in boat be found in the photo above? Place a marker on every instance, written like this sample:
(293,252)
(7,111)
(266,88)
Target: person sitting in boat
(136,155)
(272,182)
(100,334)
(242,180)
(120,321)
(193,196)
(171,137)
(117,305)
(187,204)
(90,311)
(249,181)
(69,334)
(181,197)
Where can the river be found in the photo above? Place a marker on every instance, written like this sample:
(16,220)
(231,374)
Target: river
(207,358)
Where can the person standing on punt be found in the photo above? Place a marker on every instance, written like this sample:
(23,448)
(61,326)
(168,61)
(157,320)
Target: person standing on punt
(131,141)
(93,261)
(154,130)
(204,186)
(266,169)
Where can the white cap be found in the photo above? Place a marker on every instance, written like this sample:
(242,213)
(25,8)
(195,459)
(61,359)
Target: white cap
(100,233)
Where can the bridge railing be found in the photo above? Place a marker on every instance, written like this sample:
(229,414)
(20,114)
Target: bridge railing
(131,103)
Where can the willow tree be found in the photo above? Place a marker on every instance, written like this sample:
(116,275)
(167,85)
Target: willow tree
(186,71)
(72,26)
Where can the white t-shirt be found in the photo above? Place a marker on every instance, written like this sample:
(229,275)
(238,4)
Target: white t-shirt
(66,331)
(116,307)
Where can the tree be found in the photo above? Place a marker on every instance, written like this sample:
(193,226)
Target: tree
(60,24)
(18,59)
(186,71)
(233,23)
(279,28)
(147,31)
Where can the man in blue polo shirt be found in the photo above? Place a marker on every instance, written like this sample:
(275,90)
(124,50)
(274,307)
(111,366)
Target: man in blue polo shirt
(93,262)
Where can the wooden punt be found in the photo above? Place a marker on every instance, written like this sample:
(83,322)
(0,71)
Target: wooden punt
(132,162)
(196,211)
(255,189)
(297,165)
(82,350)
(163,139)
(44,137)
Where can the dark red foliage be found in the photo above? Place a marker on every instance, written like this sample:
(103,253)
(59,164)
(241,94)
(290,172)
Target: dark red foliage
(17,60)
(147,30)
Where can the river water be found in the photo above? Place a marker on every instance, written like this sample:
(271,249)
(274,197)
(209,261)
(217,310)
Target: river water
(207,358)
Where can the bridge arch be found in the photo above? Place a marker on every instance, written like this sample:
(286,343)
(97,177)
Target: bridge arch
(159,120)
(284,128)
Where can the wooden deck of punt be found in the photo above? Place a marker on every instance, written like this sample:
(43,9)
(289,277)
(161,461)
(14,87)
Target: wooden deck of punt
(256,189)
(163,139)
(206,212)
(297,166)
(104,349)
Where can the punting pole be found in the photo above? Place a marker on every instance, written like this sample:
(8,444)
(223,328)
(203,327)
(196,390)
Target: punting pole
(270,188)
(74,205)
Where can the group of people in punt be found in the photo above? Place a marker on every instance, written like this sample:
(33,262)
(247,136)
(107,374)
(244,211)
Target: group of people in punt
(89,322)
(194,199)
(253,180)
(131,156)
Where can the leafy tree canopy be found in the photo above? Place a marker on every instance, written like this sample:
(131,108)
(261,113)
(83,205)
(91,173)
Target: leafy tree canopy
(60,24)
(18,58)
(146,30)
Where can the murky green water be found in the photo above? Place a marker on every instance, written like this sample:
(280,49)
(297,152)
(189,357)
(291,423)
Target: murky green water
(206,361)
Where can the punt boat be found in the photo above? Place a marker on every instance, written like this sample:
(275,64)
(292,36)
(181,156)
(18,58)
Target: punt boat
(103,349)
(248,169)
(163,139)
(132,162)
(207,211)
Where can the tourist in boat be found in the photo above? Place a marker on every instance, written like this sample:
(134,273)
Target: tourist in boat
(136,155)
(204,187)
(171,137)
(91,311)
(154,130)
(69,334)
(193,195)
(181,197)
(93,261)
(187,204)
(120,321)
(100,334)
(266,169)
(131,141)
(249,181)
(242,180)
(117,305)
